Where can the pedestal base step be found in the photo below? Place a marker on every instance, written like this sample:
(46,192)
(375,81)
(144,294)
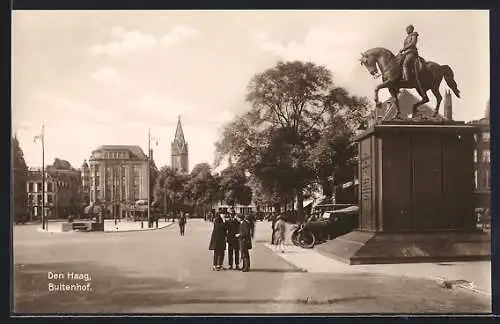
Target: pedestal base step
(375,248)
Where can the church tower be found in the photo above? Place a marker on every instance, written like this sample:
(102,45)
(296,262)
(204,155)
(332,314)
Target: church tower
(448,106)
(180,150)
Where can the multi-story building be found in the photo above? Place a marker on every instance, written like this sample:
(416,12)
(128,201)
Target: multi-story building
(180,154)
(482,162)
(62,188)
(118,177)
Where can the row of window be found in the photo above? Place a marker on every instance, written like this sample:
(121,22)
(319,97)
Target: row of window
(115,155)
(483,182)
(38,188)
(485,156)
(95,170)
(121,195)
(36,200)
(485,137)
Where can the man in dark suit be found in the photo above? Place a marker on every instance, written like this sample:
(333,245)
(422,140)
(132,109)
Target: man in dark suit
(182,223)
(218,241)
(233,246)
(245,238)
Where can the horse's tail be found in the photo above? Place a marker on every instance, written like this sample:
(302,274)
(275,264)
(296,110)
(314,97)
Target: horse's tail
(450,80)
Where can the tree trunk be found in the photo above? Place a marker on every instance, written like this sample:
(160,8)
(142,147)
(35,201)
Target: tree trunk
(300,205)
(327,187)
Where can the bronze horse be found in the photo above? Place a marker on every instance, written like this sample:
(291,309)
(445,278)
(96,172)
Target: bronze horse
(425,76)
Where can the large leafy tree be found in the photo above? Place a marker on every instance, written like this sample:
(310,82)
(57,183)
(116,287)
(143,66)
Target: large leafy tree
(334,155)
(233,184)
(169,189)
(202,187)
(20,171)
(294,109)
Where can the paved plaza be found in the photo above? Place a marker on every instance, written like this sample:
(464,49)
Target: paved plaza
(159,271)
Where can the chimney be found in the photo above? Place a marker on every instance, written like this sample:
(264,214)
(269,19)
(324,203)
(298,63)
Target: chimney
(448,108)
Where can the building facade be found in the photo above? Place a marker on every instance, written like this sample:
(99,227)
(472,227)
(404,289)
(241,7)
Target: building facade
(482,163)
(118,177)
(62,188)
(179,150)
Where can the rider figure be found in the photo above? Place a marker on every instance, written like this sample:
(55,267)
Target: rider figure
(409,51)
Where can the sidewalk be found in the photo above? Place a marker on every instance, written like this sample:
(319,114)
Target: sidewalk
(110,227)
(475,276)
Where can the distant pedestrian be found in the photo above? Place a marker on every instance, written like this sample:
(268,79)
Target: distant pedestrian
(245,238)
(280,231)
(218,241)
(274,218)
(182,223)
(233,245)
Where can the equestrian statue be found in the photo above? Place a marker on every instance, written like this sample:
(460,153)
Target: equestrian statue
(408,70)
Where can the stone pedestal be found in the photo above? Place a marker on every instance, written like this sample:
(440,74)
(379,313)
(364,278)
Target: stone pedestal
(416,196)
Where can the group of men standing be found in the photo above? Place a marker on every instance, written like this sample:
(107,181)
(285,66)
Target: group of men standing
(234,232)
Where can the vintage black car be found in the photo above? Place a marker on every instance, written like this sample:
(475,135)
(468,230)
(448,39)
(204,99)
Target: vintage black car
(332,224)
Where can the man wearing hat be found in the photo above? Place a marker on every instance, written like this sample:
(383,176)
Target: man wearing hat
(245,238)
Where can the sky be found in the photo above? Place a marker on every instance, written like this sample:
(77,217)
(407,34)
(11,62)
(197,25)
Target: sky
(106,77)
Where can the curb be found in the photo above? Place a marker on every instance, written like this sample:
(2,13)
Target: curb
(140,230)
(115,231)
(285,260)
(443,282)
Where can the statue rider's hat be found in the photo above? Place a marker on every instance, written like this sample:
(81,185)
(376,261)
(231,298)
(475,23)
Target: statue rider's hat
(410,26)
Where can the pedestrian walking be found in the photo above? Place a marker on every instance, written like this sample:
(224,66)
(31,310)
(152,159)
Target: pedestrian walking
(182,223)
(218,241)
(233,245)
(280,230)
(245,238)
(273,223)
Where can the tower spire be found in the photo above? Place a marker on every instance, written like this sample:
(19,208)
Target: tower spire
(179,139)
(180,149)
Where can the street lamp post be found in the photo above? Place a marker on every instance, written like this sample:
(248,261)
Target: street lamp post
(149,174)
(41,137)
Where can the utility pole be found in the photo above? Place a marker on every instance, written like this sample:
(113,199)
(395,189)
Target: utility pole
(41,137)
(149,174)
(113,189)
(149,163)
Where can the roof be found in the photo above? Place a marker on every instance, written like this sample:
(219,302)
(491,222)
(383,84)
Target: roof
(482,121)
(179,143)
(135,150)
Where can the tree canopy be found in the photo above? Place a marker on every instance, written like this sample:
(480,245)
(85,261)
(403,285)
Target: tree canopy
(297,130)
(20,170)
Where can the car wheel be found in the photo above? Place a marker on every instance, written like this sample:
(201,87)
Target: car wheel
(306,240)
